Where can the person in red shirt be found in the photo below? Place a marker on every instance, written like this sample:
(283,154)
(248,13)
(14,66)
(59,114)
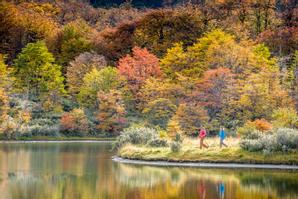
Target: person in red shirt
(202,135)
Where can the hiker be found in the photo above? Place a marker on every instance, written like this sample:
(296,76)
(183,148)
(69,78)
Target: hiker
(202,136)
(222,136)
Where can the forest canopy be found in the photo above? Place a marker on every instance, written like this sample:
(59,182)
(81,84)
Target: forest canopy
(81,68)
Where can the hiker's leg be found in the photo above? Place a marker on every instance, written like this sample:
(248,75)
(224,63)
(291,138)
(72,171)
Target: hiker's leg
(205,145)
(201,143)
(220,143)
(224,144)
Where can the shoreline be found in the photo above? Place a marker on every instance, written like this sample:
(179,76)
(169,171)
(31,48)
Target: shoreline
(53,141)
(204,164)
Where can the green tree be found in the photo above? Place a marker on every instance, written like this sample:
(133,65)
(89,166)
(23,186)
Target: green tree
(174,61)
(36,72)
(79,67)
(159,111)
(99,80)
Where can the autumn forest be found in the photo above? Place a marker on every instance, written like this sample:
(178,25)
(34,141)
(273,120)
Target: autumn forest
(80,68)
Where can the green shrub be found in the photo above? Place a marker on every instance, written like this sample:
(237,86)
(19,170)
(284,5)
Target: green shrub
(251,145)
(287,138)
(178,138)
(41,130)
(255,134)
(281,140)
(157,142)
(175,146)
(135,135)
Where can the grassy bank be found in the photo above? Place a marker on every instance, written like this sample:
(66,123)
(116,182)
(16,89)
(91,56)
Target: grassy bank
(59,138)
(190,152)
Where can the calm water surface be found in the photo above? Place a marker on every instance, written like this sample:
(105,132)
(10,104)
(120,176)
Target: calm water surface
(86,171)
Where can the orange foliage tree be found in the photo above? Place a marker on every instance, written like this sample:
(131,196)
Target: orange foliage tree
(74,122)
(111,115)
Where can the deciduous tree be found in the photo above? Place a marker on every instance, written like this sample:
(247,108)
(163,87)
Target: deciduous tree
(104,80)
(190,118)
(111,112)
(74,123)
(36,72)
(159,111)
(138,67)
(80,66)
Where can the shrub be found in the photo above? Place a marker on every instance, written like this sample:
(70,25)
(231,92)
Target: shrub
(41,130)
(287,138)
(255,134)
(162,134)
(178,138)
(173,127)
(157,142)
(251,145)
(175,147)
(281,140)
(136,135)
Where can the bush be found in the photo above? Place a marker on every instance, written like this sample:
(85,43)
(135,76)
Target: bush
(178,138)
(136,135)
(281,140)
(175,147)
(162,134)
(255,134)
(251,145)
(158,142)
(287,138)
(41,130)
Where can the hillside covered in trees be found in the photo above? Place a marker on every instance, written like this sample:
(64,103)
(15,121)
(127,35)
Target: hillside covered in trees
(93,68)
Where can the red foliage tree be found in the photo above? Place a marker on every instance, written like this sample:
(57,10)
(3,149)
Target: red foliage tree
(138,67)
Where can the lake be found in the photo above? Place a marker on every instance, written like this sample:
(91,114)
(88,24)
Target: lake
(85,170)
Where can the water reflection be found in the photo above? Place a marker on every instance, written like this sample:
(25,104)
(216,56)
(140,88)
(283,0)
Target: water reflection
(85,171)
